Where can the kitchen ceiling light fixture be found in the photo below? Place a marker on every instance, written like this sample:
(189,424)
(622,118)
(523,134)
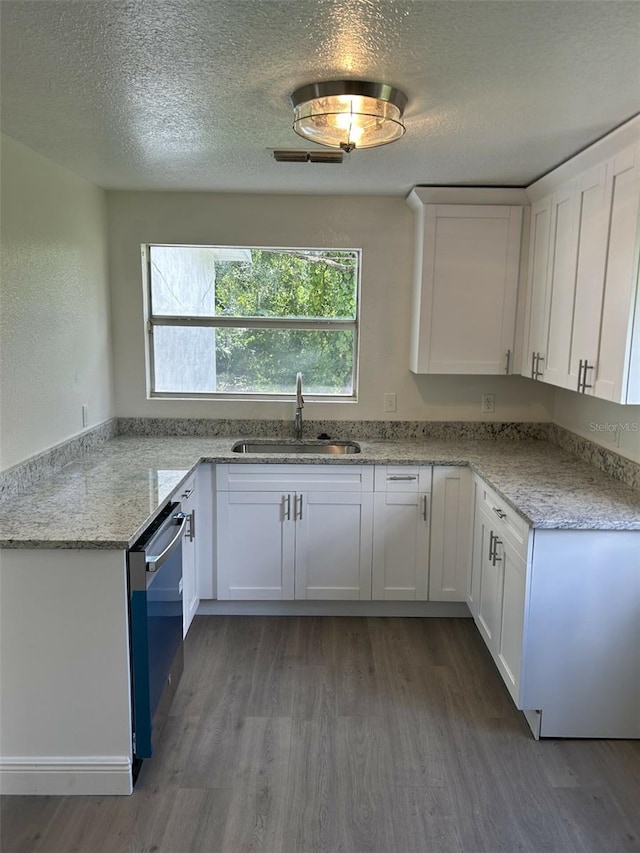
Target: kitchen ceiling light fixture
(349,114)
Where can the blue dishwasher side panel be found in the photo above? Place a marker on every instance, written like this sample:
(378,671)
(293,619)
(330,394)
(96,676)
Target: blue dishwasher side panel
(156,620)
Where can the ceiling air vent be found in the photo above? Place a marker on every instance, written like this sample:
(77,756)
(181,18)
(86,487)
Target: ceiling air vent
(294,155)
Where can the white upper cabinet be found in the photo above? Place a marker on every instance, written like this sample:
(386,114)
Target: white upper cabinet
(535,344)
(466,283)
(559,295)
(616,374)
(582,329)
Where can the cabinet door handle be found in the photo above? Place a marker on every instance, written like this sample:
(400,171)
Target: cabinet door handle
(533,365)
(587,366)
(496,542)
(187,493)
(299,505)
(191,529)
(538,373)
(405,477)
(286,507)
(508,364)
(500,513)
(580,369)
(425,507)
(491,547)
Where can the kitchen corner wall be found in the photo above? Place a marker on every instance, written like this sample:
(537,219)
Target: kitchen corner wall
(615,427)
(381,226)
(55,349)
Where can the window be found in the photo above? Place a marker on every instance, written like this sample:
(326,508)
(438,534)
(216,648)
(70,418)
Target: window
(237,322)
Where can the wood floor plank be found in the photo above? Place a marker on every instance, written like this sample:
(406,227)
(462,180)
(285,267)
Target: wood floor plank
(425,820)
(359,687)
(363,754)
(24,821)
(597,821)
(171,759)
(315,693)
(259,794)
(312,796)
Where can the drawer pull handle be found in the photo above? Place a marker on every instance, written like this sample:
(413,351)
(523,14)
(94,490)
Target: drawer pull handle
(187,493)
(500,513)
(406,477)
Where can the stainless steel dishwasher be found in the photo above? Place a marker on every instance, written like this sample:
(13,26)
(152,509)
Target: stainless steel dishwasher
(155,604)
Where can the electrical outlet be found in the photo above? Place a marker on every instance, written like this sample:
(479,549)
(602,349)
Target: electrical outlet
(488,403)
(85,414)
(390,402)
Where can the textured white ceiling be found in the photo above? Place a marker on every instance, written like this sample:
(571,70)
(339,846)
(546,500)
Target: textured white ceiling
(191,94)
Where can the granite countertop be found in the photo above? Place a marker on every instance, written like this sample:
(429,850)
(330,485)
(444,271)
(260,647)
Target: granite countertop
(106,498)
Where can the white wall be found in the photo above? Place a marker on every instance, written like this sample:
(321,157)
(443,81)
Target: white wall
(54,318)
(381,226)
(615,427)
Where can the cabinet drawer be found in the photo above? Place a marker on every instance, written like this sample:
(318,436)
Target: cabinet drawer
(505,520)
(302,478)
(403,478)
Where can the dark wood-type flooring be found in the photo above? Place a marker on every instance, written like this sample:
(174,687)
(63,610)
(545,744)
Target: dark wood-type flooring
(347,735)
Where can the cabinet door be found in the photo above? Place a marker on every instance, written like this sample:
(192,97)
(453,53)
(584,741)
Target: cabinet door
(256,542)
(473,585)
(401,546)
(508,652)
(592,222)
(489,591)
(450,559)
(537,277)
(618,367)
(560,287)
(190,598)
(206,524)
(333,545)
(467,289)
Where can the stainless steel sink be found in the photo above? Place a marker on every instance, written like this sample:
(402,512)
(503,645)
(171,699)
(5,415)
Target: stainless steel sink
(294,447)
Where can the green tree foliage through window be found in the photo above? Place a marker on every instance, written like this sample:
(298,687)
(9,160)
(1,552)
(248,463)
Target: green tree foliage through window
(251,318)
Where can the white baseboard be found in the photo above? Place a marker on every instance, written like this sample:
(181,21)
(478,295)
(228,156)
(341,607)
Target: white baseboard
(66,775)
(211,607)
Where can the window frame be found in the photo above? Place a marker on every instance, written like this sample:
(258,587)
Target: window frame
(219,321)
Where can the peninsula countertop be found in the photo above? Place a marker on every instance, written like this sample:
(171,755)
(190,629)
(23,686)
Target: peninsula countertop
(105,498)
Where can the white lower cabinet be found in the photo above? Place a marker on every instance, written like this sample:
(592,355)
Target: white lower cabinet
(321,532)
(422,532)
(511,629)
(188,495)
(401,520)
(256,546)
(485,583)
(333,545)
(497,601)
(450,551)
(558,610)
(294,531)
